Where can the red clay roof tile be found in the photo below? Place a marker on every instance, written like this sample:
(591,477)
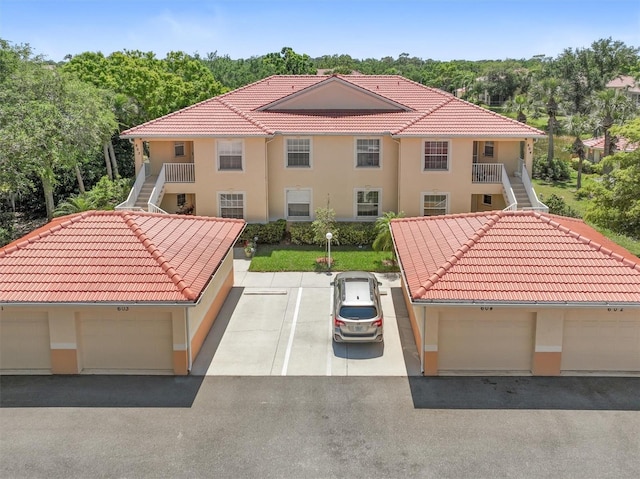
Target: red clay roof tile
(513,257)
(421,111)
(110,256)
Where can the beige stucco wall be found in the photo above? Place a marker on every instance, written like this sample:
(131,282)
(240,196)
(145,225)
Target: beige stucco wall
(65,328)
(333,175)
(549,328)
(457,181)
(163,151)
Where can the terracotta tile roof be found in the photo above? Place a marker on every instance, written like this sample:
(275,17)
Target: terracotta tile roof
(622,144)
(422,111)
(625,82)
(114,256)
(520,256)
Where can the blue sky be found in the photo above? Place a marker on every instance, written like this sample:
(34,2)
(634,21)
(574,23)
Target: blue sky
(437,29)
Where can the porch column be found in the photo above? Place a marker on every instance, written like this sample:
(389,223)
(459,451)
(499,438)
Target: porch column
(548,346)
(431,319)
(528,156)
(64,345)
(138,151)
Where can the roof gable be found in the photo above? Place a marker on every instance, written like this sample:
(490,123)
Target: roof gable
(334,94)
(109,256)
(340,105)
(513,257)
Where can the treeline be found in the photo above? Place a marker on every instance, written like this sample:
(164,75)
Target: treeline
(60,122)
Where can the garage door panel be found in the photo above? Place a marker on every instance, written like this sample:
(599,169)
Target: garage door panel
(469,344)
(25,341)
(592,343)
(117,344)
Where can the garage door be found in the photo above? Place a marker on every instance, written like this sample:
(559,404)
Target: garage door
(141,344)
(24,341)
(601,341)
(503,342)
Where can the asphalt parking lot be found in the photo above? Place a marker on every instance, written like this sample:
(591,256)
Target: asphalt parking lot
(279,324)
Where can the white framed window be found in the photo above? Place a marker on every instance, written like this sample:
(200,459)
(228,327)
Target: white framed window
(368,153)
(231,205)
(488,149)
(368,203)
(181,199)
(487,199)
(178,149)
(436,155)
(298,152)
(435,204)
(298,204)
(230,153)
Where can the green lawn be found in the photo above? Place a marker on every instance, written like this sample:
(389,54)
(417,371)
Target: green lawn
(304,258)
(567,190)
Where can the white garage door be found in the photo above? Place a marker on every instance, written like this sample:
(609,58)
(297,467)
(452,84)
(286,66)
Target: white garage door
(122,345)
(601,341)
(24,341)
(502,342)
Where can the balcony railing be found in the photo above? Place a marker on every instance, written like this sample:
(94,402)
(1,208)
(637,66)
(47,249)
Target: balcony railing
(487,173)
(179,173)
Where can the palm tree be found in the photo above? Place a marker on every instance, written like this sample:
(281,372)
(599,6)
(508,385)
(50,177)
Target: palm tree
(576,126)
(611,107)
(74,204)
(521,105)
(384,241)
(546,94)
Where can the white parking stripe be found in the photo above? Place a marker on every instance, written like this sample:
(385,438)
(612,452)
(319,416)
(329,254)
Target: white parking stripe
(291,334)
(330,345)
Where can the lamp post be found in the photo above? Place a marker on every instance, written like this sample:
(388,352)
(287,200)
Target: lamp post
(329,236)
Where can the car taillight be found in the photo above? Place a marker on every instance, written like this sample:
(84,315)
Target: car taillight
(378,323)
(337,323)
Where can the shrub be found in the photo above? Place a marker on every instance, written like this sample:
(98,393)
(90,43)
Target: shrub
(268,233)
(558,206)
(356,233)
(344,233)
(301,233)
(558,170)
(6,228)
(586,166)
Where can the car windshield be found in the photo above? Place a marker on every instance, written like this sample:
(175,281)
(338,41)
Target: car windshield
(358,312)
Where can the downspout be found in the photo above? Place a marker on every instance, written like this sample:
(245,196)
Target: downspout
(424,338)
(189,358)
(398,182)
(266,177)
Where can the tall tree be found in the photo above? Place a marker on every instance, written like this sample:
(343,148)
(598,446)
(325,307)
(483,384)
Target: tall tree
(577,126)
(616,200)
(611,107)
(50,119)
(547,94)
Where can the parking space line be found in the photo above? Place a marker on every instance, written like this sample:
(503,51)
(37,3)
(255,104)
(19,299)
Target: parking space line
(292,333)
(330,345)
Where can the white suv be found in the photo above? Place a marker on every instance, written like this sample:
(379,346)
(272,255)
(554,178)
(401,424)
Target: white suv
(357,314)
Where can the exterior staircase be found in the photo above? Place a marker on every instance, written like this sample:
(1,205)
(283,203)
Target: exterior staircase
(145,192)
(520,193)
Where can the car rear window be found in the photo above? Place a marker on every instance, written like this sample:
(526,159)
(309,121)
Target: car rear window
(358,312)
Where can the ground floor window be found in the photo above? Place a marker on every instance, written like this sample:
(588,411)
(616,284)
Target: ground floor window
(486,199)
(181,199)
(232,205)
(367,203)
(434,204)
(298,204)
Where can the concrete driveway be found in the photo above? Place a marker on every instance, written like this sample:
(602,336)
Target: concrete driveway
(279,324)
